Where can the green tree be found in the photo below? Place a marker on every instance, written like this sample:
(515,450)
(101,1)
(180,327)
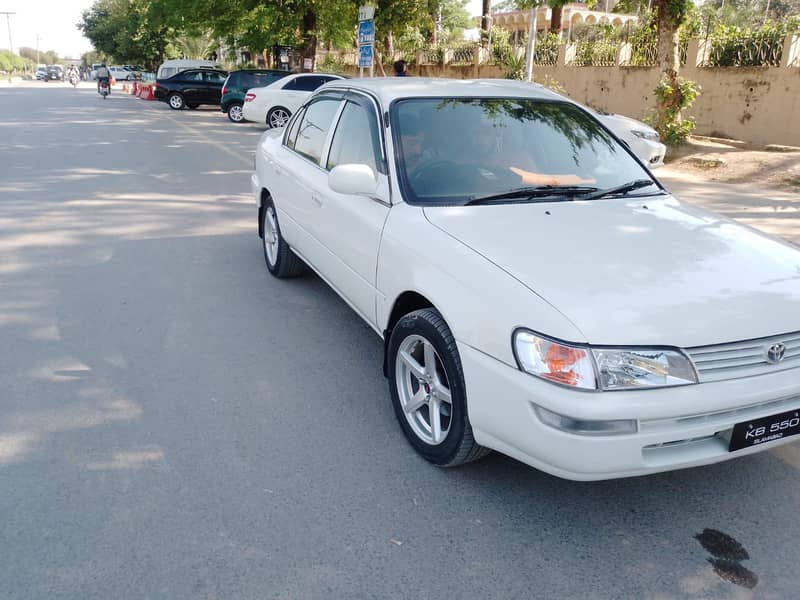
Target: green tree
(130,31)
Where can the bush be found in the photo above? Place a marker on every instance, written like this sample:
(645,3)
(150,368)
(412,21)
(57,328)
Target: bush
(672,100)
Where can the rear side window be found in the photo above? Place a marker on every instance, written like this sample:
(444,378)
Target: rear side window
(314,127)
(309,84)
(213,77)
(192,76)
(291,135)
(262,79)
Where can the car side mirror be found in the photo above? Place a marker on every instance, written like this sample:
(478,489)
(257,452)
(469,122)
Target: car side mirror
(353,179)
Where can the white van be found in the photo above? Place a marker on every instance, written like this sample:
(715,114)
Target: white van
(171,67)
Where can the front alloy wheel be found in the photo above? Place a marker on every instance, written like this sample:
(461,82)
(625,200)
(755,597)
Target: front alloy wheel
(423,390)
(426,382)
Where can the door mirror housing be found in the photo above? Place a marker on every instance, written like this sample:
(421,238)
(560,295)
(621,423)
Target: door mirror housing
(353,179)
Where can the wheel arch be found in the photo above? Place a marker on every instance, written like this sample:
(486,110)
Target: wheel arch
(262,201)
(405,303)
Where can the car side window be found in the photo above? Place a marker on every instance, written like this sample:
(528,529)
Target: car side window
(356,140)
(192,76)
(291,134)
(314,127)
(309,83)
(212,77)
(291,85)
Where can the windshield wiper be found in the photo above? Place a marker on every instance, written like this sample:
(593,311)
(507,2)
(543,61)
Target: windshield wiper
(531,192)
(619,189)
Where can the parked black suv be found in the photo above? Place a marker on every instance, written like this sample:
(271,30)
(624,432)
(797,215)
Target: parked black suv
(191,88)
(237,84)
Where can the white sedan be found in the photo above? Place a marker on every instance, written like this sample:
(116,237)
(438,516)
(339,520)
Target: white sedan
(537,291)
(275,103)
(642,139)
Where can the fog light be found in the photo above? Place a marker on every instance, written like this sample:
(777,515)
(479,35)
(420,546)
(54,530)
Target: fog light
(583,426)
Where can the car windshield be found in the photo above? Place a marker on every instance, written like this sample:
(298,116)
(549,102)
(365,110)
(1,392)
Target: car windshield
(457,150)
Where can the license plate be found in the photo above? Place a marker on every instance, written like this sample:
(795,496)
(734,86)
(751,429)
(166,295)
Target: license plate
(767,429)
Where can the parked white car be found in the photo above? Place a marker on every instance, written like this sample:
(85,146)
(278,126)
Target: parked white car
(642,139)
(537,291)
(275,103)
(121,74)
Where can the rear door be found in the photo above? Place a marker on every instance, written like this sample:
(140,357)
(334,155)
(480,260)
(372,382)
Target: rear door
(190,84)
(297,177)
(212,89)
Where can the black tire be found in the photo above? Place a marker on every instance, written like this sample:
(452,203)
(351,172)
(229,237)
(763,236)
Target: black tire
(287,264)
(459,446)
(176,101)
(234,112)
(273,114)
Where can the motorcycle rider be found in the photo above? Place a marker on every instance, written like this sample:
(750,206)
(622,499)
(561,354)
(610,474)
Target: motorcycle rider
(103,75)
(73,72)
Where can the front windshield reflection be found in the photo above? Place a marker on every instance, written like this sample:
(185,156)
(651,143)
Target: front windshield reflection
(452,149)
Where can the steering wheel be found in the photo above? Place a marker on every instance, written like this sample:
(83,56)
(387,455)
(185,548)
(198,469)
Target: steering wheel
(422,173)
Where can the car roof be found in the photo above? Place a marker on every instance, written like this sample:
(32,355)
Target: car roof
(284,80)
(388,89)
(200,70)
(260,71)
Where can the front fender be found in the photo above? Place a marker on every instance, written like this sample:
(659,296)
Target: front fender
(481,303)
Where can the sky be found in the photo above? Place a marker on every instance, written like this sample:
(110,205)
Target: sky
(54,21)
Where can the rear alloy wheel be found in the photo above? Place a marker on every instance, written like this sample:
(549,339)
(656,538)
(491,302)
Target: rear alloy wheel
(236,113)
(426,382)
(278,117)
(176,101)
(281,261)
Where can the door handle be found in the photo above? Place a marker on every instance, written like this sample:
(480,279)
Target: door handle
(278,170)
(316,199)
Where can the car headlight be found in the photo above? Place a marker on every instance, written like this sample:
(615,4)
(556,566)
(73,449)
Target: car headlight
(620,369)
(646,135)
(587,368)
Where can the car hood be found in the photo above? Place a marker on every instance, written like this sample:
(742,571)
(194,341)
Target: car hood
(651,271)
(623,122)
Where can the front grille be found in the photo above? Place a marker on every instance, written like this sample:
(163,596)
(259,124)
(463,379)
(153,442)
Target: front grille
(744,359)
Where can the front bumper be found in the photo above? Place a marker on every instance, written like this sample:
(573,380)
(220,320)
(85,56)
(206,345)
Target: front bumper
(679,427)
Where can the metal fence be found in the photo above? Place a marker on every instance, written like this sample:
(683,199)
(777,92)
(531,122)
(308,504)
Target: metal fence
(595,53)
(746,50)
(463,55)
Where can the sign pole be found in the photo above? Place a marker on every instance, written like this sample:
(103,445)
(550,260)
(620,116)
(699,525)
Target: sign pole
(366,39)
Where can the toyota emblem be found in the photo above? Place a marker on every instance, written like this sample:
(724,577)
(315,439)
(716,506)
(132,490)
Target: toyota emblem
(775,353)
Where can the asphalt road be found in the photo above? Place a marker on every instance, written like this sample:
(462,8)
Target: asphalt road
(175,423)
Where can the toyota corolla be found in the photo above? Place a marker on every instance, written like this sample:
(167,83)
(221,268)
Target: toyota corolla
(538,291)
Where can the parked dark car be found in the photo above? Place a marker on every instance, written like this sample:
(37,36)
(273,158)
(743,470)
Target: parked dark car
(191,88)
(237,84)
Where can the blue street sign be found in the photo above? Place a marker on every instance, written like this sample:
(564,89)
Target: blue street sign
(365,57)
(366,32)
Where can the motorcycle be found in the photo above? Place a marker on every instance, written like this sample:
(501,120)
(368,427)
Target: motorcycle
(73,79)
(103,89)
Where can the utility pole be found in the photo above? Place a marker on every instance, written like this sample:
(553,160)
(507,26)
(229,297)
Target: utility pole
(8,21)
(531,44)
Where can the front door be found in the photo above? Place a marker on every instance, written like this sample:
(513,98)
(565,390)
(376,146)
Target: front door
(349,227)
